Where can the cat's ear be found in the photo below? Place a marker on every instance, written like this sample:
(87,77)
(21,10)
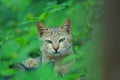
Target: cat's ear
(41,28)
(66,25)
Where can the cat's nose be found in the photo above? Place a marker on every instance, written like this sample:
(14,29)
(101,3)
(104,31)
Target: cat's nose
(56,47)
(56,50)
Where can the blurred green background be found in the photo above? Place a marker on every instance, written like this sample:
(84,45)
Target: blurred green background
(19,38)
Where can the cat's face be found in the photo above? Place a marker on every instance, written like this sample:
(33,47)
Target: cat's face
(56,40)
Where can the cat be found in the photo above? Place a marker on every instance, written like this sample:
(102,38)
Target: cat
(57,45)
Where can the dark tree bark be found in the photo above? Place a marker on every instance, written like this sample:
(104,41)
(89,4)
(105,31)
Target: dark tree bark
(111,40)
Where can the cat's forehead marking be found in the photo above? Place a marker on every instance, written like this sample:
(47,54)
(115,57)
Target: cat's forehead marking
(54,30)
(54,33)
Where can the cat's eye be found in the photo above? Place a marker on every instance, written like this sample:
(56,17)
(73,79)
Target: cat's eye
(61,40)
(48,41)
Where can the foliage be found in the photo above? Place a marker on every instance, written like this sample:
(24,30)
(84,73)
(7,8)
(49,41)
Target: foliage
(19,38)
